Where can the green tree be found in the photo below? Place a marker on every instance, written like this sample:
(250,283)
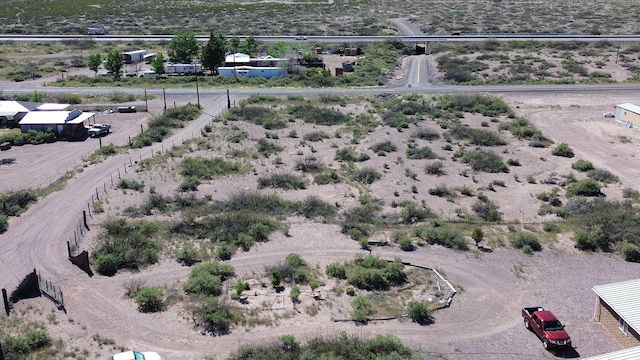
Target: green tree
(362,309)
(250,45)
(93,62)
(477,235)
(157,64)
(114,63)
(234,42)
(213,52)
(183,47)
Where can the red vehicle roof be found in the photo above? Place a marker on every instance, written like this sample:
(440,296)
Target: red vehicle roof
(546,315)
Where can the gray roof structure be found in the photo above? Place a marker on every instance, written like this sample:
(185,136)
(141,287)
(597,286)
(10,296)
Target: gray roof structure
(631,107)
(624,298)
(626,354)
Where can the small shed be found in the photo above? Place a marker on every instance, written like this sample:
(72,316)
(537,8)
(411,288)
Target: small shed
(618,310)
(61,123)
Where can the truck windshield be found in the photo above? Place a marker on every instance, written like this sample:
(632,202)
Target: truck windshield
(553,325)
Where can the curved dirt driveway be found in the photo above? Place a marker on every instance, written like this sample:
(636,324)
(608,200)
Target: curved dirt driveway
(482,323)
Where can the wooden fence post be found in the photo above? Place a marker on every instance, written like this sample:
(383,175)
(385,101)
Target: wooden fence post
(5,299)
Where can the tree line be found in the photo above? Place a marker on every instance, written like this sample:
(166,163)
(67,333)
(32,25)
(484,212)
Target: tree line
(183,48)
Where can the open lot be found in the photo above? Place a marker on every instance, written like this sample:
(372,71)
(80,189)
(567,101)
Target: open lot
(483,321)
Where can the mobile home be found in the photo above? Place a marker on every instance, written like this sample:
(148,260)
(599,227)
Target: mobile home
(183,69)
(134,57)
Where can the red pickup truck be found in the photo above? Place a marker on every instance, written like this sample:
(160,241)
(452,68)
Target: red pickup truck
(548,328)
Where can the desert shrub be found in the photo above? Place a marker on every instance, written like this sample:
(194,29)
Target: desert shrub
(336,270)
(630,252)
(207,169)
(427,134)
(267,118)
(31,137)
(349,154)
(212,315)
(586,187)
(313,206)
(630,193)
(23,347)
(325,178)
(106,264)
(282,181)
(267,148)
(475,103)
(485,161)
(414,152)
(150,299)
(551,227)
(309,164)
(130,184)
(190,183)
(17,202)
(4,223)
(316,136)
(366,175)
(338,346)
(460,70)
(419,311)
(513,162)
(441,191)
(131,244)
(412,213)
(207,278)
(520,239)
(362,309)
(384,147)
(318,115)
(563,150)
(487,210)
(160,127)
(271,204)
(523,129)
(603,175)
(582,165)
(445,235)
(480,137)
(435,168)
(373,273)
(187,255)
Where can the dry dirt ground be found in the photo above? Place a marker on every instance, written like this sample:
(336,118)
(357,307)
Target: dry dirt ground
(482,323)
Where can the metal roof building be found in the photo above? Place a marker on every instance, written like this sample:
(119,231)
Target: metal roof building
(618,309)
(626,354)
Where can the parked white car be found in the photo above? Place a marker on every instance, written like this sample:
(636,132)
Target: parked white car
(609,114)
(135,355)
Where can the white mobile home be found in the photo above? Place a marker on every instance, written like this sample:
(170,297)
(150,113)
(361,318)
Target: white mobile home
(183,69)
(134,57)
(252,71)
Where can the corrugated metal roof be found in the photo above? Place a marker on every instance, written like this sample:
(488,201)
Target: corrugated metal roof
(630,107)
(624,298)
(626,354)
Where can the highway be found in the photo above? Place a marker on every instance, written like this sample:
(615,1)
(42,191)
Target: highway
(343,39)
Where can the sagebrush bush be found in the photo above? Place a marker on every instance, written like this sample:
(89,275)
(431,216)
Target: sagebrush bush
(520,239)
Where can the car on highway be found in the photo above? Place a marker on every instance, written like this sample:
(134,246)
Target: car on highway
(301,37)
(609,115)
(136,355)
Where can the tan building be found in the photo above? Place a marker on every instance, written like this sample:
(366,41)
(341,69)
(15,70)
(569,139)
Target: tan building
(628,113)
(618,310)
